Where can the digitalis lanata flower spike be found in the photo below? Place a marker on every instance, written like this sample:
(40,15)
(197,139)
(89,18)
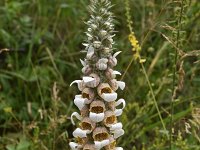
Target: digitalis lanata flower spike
(98,99)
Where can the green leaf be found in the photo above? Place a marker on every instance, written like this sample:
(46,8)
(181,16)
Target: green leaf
(10,147)
(23,145)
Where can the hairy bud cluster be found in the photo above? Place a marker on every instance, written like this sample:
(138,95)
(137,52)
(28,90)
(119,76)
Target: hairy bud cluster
(98,101)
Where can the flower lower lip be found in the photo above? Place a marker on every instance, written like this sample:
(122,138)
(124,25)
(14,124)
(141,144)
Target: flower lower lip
(109,97)
(97,117)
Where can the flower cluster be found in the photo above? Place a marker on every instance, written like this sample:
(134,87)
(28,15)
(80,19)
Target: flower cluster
(98,102)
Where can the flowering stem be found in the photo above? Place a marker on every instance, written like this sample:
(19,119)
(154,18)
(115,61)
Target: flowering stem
(174,76)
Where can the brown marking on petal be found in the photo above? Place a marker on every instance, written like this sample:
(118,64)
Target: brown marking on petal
(97,106)
(88,93)
(82,141)
(86,126)
(97,109)
(111,119)
(106,90)
(101,136)
(85,95)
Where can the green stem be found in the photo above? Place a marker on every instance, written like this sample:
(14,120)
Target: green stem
(153,95)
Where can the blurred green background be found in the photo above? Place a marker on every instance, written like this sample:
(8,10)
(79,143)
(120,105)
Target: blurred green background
(44,38)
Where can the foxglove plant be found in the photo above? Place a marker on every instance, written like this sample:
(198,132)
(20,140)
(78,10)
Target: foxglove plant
(98,102)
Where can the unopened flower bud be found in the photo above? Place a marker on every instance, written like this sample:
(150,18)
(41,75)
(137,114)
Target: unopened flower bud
(97,44)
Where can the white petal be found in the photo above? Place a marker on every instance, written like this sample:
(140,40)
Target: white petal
(119,102)
(83,62)
(76,115)
(118,112)
(114,61)
(88,34)
(116,72)
(79,102)
(118,148)
(101,66)
(85,44)
(88,79)
(74,146)
(78,96)
(117,53)
(118,133)
(90,52)
(116,126)
(96,117)
(99,145)
(121,84)
(84,69)
(103,60)
(109,97)
(80,84)
(75,81)
(80,133)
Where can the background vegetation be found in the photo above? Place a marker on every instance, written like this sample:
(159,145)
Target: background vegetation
(44,39)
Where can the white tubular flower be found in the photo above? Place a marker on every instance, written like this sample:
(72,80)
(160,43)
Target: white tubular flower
(88,124)
(110,118)
(74,146)
(97,109)
(102,64)
(100,134)
(76,115)
(101,137)
(80,133)
(101,144)
(104,90)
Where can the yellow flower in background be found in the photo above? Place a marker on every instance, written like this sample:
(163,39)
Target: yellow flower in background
(136,47)
(8,109)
